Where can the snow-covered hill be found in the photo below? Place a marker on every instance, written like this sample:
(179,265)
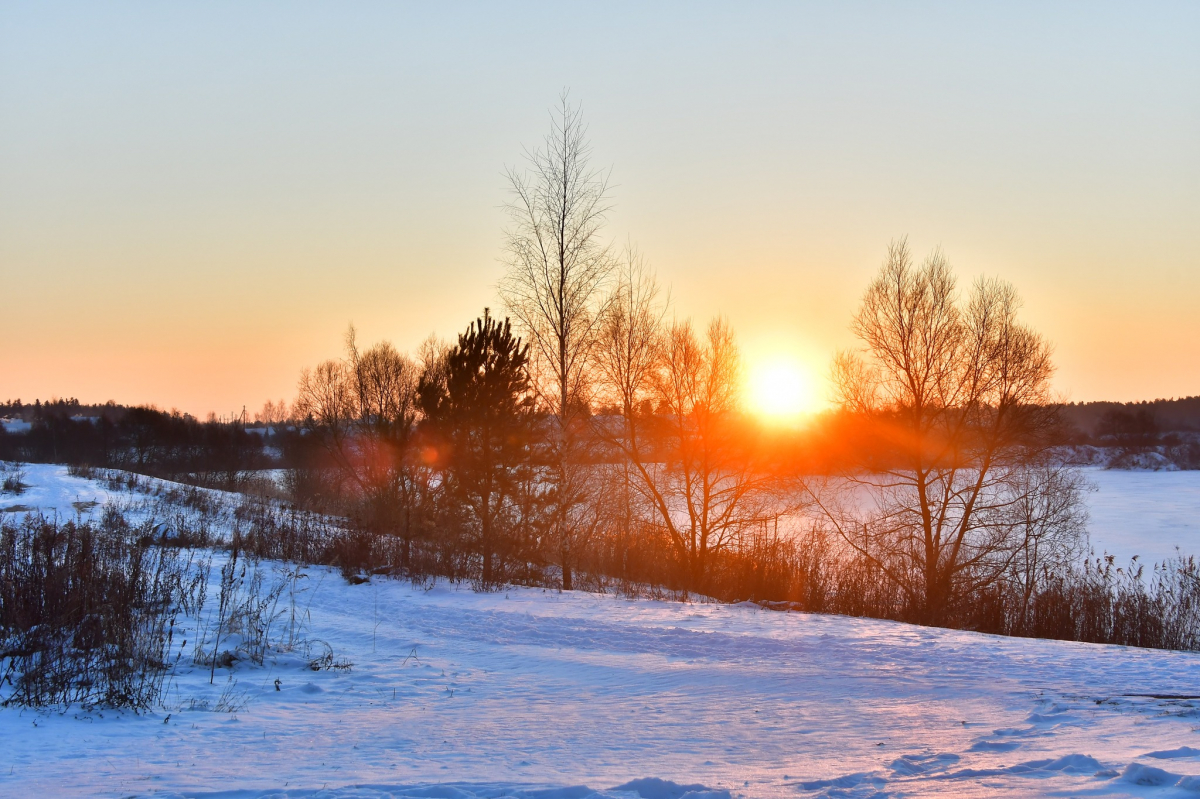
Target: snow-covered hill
(455,695)
(539,689)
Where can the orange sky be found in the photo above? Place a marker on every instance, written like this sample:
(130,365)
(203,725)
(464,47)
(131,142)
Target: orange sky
(196,199)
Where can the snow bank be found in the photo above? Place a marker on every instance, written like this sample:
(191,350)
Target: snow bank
(15,425)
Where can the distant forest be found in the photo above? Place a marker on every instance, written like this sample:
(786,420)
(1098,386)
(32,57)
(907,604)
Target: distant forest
(1171,415)
(225,452)
(216,453)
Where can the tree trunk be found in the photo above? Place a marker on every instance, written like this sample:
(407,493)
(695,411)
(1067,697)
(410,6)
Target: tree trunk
(698,573)
(485,542)
(937,597)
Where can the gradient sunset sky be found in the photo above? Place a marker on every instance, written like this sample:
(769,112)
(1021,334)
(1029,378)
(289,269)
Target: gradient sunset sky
(197,198)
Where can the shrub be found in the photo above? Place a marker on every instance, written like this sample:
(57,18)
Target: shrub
(88,612)
(14,480)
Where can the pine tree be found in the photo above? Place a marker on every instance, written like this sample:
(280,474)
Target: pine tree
(478,411)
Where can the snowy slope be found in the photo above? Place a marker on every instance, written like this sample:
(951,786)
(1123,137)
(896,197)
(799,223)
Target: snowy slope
(457,695)
(544,689)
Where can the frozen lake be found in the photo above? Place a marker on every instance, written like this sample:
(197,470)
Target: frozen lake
(1144,513)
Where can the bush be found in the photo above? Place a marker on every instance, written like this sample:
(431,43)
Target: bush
(88,612)
(14,477)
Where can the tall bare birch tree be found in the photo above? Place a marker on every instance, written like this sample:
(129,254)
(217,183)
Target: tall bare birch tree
(559,268)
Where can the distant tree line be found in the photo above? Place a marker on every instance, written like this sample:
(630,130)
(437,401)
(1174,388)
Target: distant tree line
(1180,415)
(165,444)
(1157,434)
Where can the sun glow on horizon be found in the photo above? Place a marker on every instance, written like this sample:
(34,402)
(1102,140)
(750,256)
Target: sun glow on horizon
(782,390)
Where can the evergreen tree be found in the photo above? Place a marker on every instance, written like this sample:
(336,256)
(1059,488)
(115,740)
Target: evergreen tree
(477,409)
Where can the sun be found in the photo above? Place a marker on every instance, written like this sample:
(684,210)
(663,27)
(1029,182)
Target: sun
(781,390)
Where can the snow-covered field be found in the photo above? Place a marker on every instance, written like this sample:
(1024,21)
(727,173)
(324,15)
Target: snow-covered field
(455,695)
(51,490)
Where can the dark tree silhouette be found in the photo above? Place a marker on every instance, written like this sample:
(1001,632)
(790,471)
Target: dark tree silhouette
(1132,431)
(478,419)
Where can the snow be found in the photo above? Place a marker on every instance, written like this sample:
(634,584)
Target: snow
(15,425)
(51,490)
(534,694)
(1147,514)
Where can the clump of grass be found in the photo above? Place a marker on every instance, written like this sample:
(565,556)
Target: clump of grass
(321,658)
(14,480)
(88,612)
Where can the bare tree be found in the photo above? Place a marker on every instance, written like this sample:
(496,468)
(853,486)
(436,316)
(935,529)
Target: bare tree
(1050,529)
(629,342)
(955,396)
(363,410)
(626,358)
(385,385)
(325,401)
(272,413)
(693,467)
(555,286)
(385,388)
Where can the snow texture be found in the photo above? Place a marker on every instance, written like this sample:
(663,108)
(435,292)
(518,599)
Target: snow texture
(534,694)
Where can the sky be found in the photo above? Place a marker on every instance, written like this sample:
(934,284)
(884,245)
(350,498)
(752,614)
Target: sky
(197,199)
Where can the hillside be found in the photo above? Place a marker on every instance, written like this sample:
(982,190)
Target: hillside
(521,692)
